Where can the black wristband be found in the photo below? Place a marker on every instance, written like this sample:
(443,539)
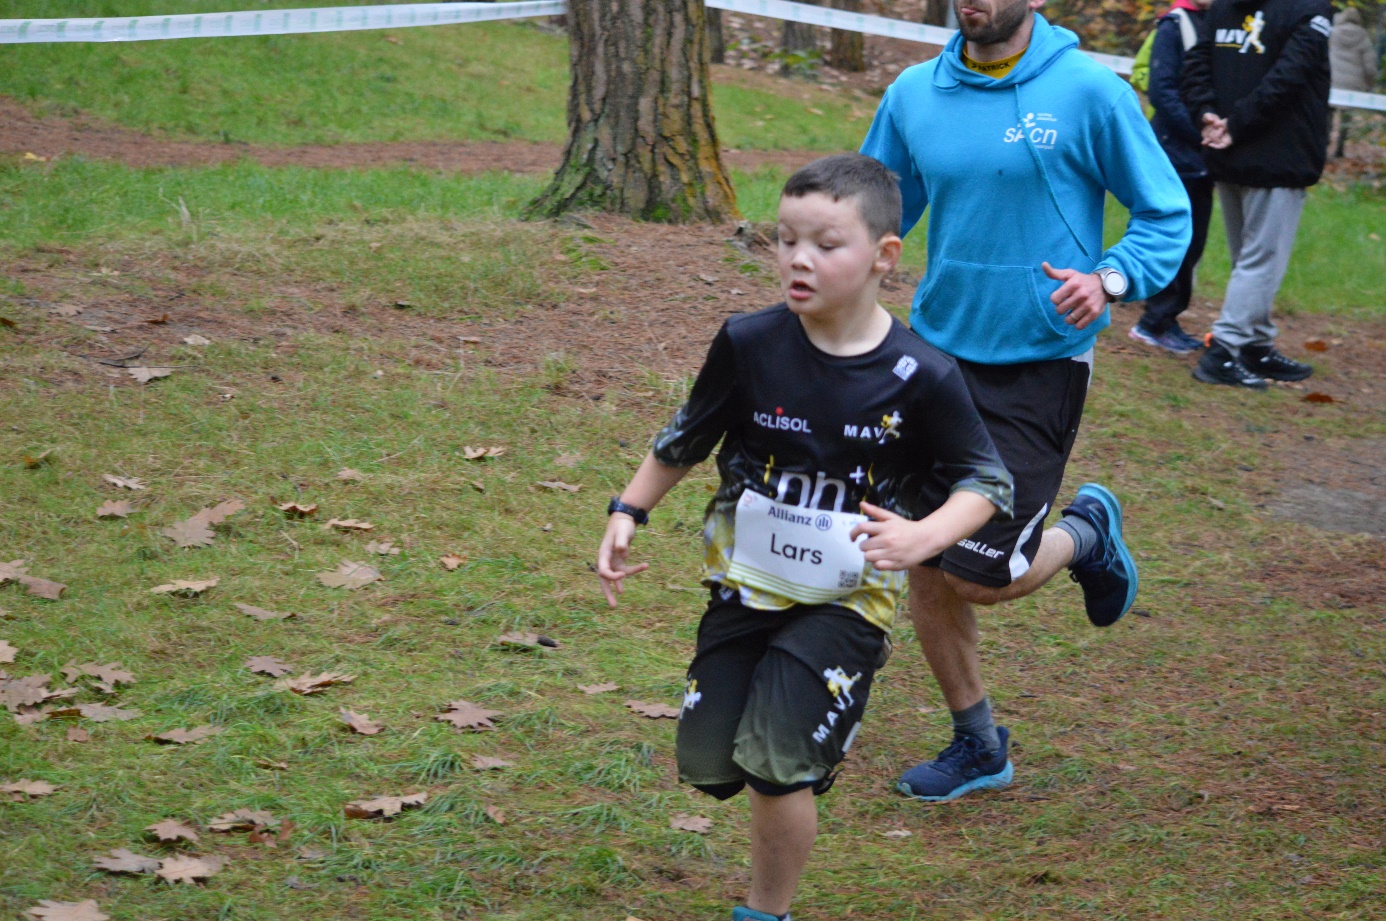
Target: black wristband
(639,514)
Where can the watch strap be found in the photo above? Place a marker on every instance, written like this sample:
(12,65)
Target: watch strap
(639,514)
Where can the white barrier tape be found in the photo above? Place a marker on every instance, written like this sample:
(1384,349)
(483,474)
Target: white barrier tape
(268,22)
(399,16)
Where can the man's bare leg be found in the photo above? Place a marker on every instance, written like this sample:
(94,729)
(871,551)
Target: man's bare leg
(782,833)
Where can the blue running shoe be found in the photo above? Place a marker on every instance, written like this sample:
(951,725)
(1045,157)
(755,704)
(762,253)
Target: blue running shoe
(960,768)
(1190,343)
(1108,574)
(1173,340)
(742,913)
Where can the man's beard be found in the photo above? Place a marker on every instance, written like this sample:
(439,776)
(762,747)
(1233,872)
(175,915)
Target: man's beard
(1006,18)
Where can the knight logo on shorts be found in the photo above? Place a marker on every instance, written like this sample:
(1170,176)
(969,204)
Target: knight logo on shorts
(840,686)
(691,696)
(781,422)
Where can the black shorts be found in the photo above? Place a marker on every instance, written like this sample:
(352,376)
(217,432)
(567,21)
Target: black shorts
(1032,411)
(774,698)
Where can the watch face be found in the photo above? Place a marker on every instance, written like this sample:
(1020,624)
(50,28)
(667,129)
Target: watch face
(1114,283)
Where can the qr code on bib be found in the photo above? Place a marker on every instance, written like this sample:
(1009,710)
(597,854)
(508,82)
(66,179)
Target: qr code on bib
(847,578)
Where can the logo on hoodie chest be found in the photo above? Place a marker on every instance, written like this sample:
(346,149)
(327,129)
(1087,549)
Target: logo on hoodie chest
(1040,129)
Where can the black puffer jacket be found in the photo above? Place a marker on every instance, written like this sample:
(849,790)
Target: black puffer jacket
(1263,65)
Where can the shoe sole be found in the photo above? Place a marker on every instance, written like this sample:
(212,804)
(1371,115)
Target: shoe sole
(1201,375)
(986,782)
(1104,495)
(1289,378)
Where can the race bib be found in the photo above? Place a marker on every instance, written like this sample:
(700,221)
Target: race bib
(803,554)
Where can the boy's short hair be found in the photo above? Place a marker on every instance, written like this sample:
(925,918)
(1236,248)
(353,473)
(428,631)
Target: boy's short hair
(876,188)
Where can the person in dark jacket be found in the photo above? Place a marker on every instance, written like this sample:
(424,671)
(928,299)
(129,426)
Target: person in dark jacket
(1181,139)
(1258,82)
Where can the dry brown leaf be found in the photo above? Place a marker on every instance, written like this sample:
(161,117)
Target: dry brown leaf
(7,652)
(12,571)
(471,453)
(897,833)
(653,711)
(243,820)
(451,561)
(527,640)
(78,734)
(191,533)
(123,861)
(195,339)
(42,588)
(47,910)
(269,765)
(261,613)
(383,806)
(496,813)
(189,870)
(268,665)
(348,524)
(1318,397)
(350,475)
(20,790)
(185,588)
(559,484)
(34,461)
(108,676)
(1315,345)
(567,460)
(465,715)
(194,736)
(100,713)
(219,512)
(382,548)
(350,575)
(312,684)
(599,688)
(694,823)
(67,310)
(487,763)
(115,508)
(145,375)
(171,830)
(296,509)
(359,722)
(124,482)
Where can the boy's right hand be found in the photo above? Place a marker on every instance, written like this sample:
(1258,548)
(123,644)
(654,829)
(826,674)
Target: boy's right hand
(611,557)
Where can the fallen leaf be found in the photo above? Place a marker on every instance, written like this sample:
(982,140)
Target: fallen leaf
(100,329)
(145,375)
(350,475)
(195,339)
(124,482)
(160,320)
(100,713)
(527,640)
(469,340)
(67,310)
(21,790)
(382,548)
(108,676)
(123,861)
(897,833)
(189,870)
(653,711)
(184,587)
(599,688)
(1317,397)
(115,508)
(350,575)
(451,561)
(466,715)
(1316,345)
(186,736)
(312,684)
(171,830)
(348,524)
(360,723)
(7,323)
(269,765)
(479,487)
(296,509)
(34,461)
(471,453)
(243,820)
(694,823)
(7,652)
(87,910)
(268,665)
(311,853)
(220,512)
(559,484)
(383,806)
(487,763)
(191,533)
(261,613)
(496,813)
(43,588)
(567,460)
(78,734)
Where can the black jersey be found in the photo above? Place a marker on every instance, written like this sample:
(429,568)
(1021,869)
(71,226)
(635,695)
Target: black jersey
(825,432)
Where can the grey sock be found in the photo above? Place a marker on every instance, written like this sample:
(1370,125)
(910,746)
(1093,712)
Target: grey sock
(1086,540)
(976,721)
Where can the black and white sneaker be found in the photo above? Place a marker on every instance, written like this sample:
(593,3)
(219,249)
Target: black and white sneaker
(1219,366)
(1269,363)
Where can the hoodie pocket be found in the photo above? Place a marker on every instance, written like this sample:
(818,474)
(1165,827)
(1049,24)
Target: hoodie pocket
(993,313)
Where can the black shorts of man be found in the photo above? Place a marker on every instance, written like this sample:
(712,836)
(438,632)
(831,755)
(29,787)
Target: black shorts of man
(836,423)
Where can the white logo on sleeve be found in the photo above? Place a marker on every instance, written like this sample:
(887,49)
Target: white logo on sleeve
(905,367)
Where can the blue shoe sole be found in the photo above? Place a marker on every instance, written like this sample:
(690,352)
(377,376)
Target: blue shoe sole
(987,782)
(1109,502)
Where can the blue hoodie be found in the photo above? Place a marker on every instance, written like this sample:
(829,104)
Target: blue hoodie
(1016,170)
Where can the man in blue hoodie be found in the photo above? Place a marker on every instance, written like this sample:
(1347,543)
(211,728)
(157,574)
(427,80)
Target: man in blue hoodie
(1011,138)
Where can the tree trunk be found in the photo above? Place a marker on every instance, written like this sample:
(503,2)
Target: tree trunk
(799,37)
(716,40)
(848,51)
(641,138)
(935,12)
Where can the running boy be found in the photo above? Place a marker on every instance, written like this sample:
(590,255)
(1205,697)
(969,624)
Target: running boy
(824,405)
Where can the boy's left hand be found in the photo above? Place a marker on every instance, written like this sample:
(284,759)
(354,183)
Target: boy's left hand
(611,557)
(893,541)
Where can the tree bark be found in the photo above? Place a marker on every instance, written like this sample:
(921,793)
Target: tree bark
(799,37)
(716,40)
(935,12)
(848,49)
(641,137)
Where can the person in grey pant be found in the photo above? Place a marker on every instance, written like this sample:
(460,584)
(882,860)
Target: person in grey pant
(1258,81)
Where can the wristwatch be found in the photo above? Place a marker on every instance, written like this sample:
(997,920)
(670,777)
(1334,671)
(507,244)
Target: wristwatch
(639,514)
(1113,283)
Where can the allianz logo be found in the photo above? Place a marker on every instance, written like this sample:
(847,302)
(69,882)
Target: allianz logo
(1037,129)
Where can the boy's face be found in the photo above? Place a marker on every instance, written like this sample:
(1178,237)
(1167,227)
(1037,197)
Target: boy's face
(827,257)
